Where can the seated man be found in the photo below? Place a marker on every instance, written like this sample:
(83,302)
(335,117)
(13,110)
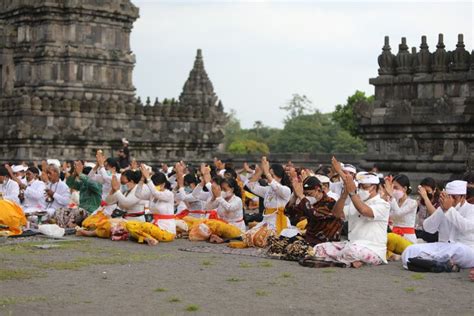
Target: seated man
(9,189)
(34,192)
(454,220)
(57,194)
(314,206)
(367,215)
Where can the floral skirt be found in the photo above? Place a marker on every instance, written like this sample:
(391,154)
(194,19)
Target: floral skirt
(346,252)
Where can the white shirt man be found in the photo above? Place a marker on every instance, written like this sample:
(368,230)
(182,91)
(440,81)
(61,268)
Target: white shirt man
(59,194)
(367,215)
(34,196)
(455,223)
(9,189)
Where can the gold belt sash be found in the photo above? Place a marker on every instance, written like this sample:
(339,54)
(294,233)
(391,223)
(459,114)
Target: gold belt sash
(281,222)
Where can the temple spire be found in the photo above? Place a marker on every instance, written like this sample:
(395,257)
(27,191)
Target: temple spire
(198,89)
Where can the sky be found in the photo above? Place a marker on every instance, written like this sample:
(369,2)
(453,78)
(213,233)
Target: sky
(259,53)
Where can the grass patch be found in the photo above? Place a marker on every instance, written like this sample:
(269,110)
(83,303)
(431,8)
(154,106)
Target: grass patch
(207,263)
(16,274)
(286,275)
(266,264)
(261,293)
(174,299)
(417,276)
(160,289)
(245,265)
(396,281)
(192,308)
(234,280)
(409,289)
(20,300)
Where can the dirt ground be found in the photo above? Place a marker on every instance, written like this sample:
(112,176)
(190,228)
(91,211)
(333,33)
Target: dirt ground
(93,276)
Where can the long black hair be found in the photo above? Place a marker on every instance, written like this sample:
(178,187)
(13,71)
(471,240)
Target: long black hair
(234,185)
(159,178)
(279,171)
(403,181)
(113,163)
(133,176)
(190,178)
(429,182)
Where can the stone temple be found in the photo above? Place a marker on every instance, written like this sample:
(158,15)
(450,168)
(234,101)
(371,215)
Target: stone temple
(66,88)
(422,120)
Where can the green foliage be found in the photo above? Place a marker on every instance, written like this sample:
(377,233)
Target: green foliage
(344,114)
(297,106)
(316,133)
(248,147)
(306,130)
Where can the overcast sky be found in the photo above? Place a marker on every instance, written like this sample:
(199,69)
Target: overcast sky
(258,53)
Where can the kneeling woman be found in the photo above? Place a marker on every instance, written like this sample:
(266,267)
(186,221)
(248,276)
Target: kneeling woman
(127,201)
(276,195)
(157,190)
(227,199)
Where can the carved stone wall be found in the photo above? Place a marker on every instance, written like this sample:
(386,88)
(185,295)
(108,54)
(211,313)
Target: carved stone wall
(66,87)
(422,119)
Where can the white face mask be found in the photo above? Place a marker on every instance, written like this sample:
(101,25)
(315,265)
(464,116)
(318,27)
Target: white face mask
(312,200)
(363,194)
(397,194)
(123,188)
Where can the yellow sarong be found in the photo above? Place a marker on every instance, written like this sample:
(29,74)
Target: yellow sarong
(280,220)
(12,216)
(142,230)
(100,223)
(396,244)
(217,227)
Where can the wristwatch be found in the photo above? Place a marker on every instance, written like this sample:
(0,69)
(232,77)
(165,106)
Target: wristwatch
(351,194)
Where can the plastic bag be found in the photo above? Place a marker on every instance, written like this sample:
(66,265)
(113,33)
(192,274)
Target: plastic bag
(51,230)
(199,232)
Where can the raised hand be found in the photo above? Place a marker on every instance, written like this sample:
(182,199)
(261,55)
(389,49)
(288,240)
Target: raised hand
(349,183)
(247,168)
(446,201)
(265,165)
(115,184)
(422,192)
(298,188)
(144,171)
(336,166)
(388,185)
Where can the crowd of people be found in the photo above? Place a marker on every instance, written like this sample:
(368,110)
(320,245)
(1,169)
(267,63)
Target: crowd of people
(336,215)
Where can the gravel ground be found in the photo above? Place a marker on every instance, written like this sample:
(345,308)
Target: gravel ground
(91,276)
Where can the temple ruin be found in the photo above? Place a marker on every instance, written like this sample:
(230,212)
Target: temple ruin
(66,88)
(422,120)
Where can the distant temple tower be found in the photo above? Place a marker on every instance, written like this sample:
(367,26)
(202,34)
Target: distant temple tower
(422,120)
(66,88)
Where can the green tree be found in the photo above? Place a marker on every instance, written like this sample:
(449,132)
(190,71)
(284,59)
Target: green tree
(344,113)
(248,147)
(297,106)
(232,129)
(316,133)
